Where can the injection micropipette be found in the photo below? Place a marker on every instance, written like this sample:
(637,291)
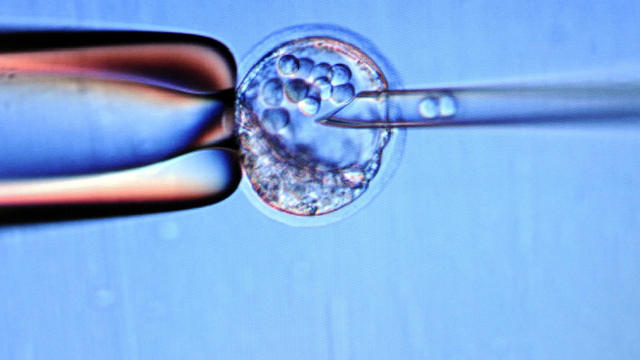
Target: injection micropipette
(500,104)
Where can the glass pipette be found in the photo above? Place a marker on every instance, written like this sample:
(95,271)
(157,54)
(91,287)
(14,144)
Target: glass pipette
(99,123)
(484,105)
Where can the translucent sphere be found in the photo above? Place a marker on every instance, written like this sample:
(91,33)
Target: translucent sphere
(292,162)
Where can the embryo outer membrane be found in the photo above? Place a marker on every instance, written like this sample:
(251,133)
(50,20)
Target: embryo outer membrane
(293,163)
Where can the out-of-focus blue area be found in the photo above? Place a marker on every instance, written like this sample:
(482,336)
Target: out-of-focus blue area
(499,243)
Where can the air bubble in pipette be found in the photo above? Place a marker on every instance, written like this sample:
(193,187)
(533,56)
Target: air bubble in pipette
(447,106)
(428,107)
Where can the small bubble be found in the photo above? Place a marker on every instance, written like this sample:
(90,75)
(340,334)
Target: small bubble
(288,65)
(320,70)
(339,74)
(342,93)
(296,90)
(448,106)
(272,92)
(428,107)
(306,65)
(309,106)
(324,86)
(275,119)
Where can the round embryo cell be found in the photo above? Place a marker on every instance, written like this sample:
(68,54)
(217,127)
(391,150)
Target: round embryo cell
(293,163)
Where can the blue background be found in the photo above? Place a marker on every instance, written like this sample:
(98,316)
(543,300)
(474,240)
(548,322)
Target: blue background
(497,243)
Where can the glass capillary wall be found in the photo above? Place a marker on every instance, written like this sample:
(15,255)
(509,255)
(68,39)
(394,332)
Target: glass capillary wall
(198,178)
(107,100)
(502,104)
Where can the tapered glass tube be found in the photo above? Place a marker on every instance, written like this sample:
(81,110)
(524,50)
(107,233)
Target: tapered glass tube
(503,104)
